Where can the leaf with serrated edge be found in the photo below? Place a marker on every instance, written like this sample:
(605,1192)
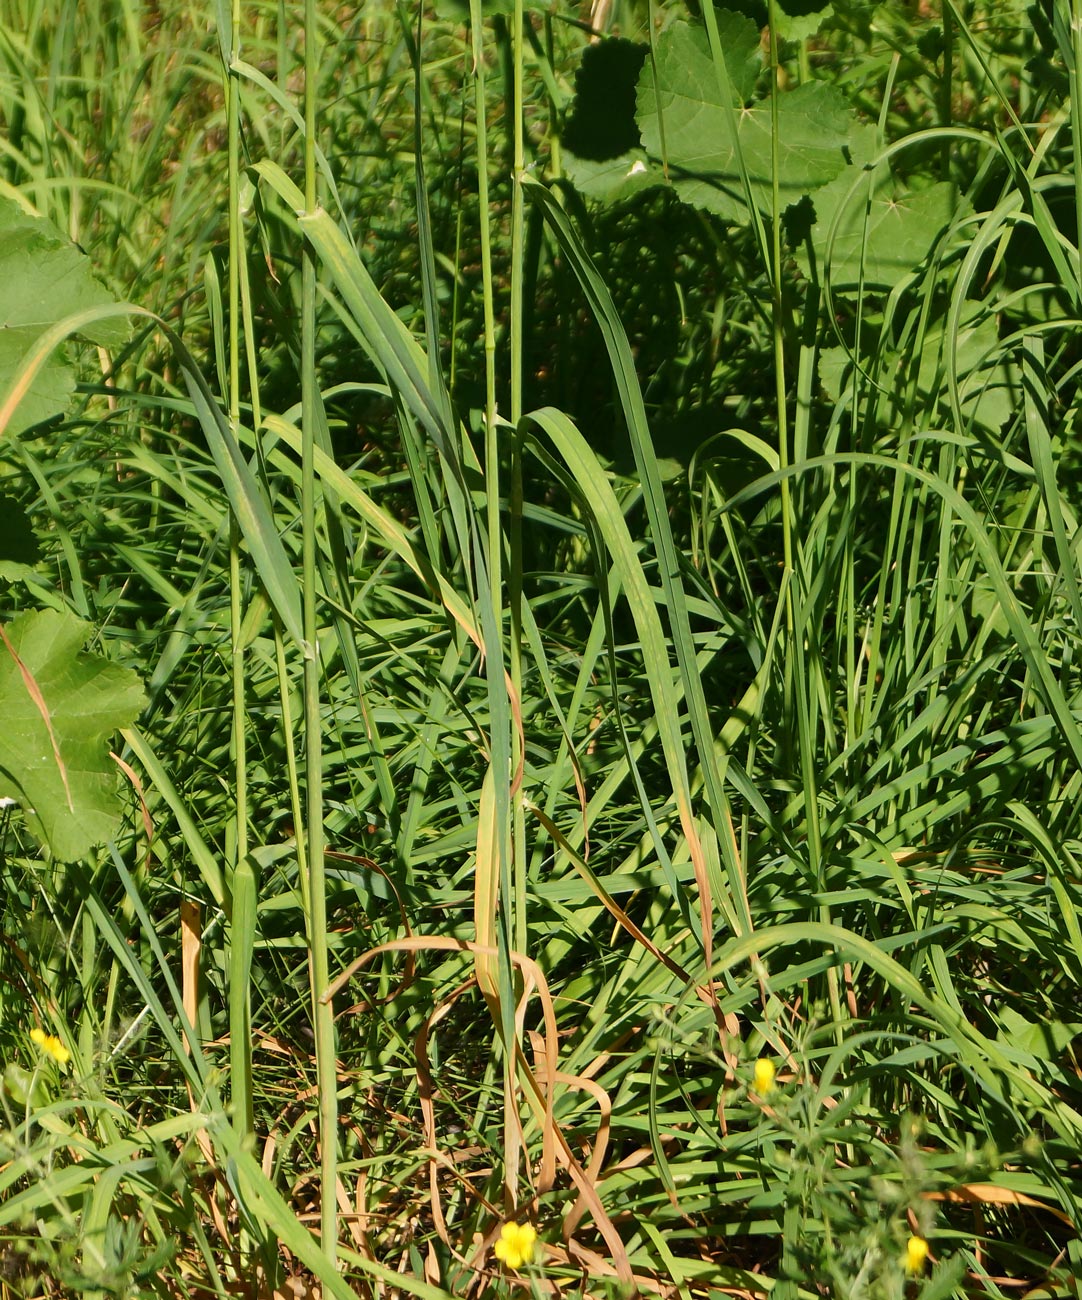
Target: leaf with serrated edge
(683,119)
(615,178)
(60,705)
(799,26)
(876,227)
(43,278)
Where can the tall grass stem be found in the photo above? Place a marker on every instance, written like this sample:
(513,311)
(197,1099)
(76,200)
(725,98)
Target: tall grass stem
(322,1008)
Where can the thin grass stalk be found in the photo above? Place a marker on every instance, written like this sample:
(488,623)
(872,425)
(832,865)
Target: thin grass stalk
(1076,127)
(778,306)
(730,118)
(1035,399)
(242,919)
(423,470)
(477,32)
(499,840)
(322,1007)
(651,18)
(863,702)
(296,800)
(555,158)
(797,686)
(514,902)
(946,90)
(283,65)
(518,279)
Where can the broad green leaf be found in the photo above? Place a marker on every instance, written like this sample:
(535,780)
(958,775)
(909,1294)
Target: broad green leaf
(60,705)
(43,278)
(1044,1039)
(684,121)
(796,22)
(874,228)
(987,390)
(902,227)
(988,394)
(601,136)
(741,45)
(615,178)
(24,1087)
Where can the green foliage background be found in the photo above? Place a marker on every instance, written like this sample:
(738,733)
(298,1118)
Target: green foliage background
(596,524)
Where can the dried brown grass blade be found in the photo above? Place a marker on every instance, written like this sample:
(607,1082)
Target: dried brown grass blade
(191,947)
(991,1194)
(537,1094)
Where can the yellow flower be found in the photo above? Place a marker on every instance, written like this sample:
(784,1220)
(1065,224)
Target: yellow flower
(516,1243)
(50,1046)
(916,1252)
(764,1076)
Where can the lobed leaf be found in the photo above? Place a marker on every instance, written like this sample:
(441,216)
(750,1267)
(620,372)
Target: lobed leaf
(685,121)
(59,706)
(43,279)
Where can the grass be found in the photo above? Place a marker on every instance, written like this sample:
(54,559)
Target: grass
(592,646)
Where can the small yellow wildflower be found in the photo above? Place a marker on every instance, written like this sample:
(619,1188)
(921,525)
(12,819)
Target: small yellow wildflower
(516,1243)
(764,1076)
(50,1046)
(916,1252)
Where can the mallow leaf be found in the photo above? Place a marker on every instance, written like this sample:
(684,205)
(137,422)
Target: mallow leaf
(686,124)
(988,389)
(615,178)
(796,20)
(798,26)
(60,706)
(873,228)
(600,136)
(1047,1040)
(43,278)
